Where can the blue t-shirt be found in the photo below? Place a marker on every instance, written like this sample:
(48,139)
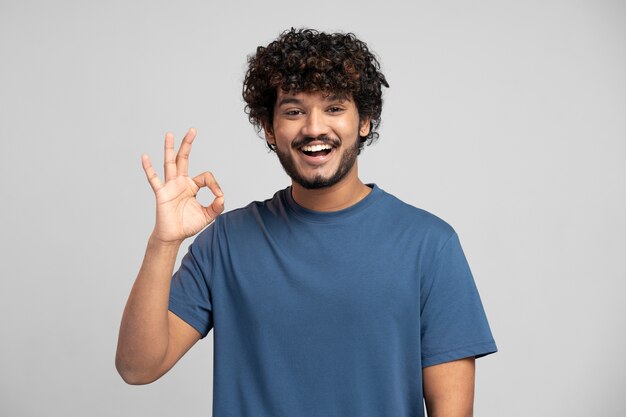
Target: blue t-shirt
(329,314)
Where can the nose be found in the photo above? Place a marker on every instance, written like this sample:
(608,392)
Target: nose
(315,124)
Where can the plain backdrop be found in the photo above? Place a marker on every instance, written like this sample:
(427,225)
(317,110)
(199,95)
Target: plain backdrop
(505,118)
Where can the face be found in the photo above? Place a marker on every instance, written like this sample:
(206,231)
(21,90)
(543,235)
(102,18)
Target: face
(316,137)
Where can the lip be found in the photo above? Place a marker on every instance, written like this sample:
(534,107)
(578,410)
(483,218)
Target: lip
(317,142)
(316,160)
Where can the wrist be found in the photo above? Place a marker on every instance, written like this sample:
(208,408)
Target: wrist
(156,242)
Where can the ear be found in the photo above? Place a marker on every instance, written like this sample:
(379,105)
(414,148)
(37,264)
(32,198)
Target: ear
(364,128)
(269,134)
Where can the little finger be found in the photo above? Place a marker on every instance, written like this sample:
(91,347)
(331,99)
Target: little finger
(151,174)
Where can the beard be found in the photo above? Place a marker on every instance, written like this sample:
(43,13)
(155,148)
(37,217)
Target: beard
(348,160)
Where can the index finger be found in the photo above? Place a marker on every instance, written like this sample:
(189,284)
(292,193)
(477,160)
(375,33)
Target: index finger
(182,157)
(206,179)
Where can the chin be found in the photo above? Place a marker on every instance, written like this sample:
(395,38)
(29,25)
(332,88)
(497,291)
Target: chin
(318,181)
(344,164)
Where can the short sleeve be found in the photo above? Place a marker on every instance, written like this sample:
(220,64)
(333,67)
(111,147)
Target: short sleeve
(190,289)
(453,321)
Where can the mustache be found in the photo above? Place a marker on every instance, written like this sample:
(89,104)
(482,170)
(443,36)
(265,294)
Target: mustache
(321,138)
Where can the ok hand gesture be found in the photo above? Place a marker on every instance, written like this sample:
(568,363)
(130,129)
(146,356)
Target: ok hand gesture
(179,215)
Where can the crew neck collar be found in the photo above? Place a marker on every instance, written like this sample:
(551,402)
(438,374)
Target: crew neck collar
(330,216)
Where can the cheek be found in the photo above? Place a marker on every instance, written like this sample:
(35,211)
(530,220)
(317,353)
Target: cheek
(285,131)
(349,129)
(351,123)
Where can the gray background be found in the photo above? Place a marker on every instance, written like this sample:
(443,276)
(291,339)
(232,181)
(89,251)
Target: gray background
(507,119)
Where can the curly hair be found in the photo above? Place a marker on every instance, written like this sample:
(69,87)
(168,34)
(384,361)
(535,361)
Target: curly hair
(306,60)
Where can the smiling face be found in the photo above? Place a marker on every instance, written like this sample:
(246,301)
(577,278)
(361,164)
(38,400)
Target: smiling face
(316,137)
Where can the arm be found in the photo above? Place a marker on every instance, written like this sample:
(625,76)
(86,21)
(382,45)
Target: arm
(449,388)
(151,338)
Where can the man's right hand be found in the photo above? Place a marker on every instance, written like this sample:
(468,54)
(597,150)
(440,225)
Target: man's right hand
(152,339)
(179,215)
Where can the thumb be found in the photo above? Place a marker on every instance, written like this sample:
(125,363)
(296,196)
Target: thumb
(206,179)
(215,208)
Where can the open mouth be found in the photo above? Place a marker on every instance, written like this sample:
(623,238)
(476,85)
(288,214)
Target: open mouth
(316,150)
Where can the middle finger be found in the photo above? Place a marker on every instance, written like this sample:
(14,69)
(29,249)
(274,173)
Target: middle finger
(169,163)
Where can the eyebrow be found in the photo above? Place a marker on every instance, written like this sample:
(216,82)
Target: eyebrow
(288,100)
(294,100)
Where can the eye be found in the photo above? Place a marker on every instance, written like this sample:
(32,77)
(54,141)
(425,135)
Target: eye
(335,109)
(292,112)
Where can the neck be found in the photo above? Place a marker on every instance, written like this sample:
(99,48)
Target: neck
(347,192)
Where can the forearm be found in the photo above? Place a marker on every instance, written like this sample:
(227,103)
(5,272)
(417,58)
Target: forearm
(443,411)
(449,388)
(144,330)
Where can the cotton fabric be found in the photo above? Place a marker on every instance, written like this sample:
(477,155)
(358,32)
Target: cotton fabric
(329,314)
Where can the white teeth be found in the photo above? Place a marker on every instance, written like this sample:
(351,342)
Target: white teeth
(316,148)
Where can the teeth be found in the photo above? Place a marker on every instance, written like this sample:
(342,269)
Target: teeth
(316,148)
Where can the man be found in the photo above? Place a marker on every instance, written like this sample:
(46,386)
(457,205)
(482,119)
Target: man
(333,298)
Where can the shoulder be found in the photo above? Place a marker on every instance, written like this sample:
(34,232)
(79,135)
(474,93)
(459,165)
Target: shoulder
(254,213)
(255,209)
(416,219)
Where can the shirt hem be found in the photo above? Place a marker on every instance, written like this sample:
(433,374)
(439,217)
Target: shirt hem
(477,350)
(189,318)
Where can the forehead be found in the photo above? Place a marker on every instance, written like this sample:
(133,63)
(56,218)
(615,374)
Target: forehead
(289,97)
